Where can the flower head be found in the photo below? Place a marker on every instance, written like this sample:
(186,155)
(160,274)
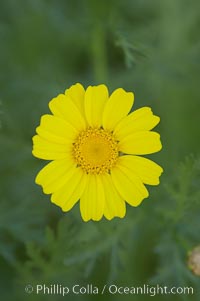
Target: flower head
(94,146)
(194,260)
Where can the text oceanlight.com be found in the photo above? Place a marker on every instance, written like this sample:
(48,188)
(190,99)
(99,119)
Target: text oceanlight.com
(112,289)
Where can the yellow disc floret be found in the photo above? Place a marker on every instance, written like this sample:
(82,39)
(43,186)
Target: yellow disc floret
(95,150)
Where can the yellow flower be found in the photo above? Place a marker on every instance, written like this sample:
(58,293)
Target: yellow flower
(194,260)
(94,146)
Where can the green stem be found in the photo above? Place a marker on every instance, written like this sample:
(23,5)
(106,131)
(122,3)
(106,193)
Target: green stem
(99,53)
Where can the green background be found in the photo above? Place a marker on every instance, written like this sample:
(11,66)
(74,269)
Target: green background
(150,47)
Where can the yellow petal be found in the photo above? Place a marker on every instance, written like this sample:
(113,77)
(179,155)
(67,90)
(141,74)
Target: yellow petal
(141,143)
(93,199)
(46,150)
(114,203)
(76,93)
(54,175)
(117,107)
(95,99)
(147,170)
(57,127)
(63,106)
(55,138)
(139,120)
(129,186)
(69,194)
(48,136)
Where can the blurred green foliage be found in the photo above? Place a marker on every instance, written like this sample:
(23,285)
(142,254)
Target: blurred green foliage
(150,47)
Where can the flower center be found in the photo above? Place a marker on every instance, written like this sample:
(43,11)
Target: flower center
(95,150)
